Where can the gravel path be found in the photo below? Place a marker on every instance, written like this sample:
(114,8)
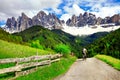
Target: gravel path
(91,69)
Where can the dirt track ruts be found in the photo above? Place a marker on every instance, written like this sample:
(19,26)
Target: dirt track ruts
(91,69)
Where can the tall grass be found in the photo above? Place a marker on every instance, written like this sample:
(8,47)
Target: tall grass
(110,60)
(11,50)
(50,72)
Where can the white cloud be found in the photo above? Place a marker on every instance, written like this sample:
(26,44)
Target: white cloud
(101,8)
(65,17)
(75,9)
(57,11)
(106,11)
(14,8)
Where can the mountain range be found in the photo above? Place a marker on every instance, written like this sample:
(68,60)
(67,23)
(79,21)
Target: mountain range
(51,21)
(23,22)
(91,19)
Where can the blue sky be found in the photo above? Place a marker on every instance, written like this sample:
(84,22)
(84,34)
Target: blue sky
(64,9)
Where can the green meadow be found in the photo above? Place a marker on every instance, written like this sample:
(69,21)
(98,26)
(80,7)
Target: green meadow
(11,50)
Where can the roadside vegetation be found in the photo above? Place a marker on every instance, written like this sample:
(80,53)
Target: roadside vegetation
(50,72)
(110,60)
(63,49)
(108,45)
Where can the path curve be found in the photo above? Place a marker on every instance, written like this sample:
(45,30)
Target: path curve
(91,69)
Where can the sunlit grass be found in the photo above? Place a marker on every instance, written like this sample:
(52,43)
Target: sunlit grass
(11,50)
(45,73)
(50,72)
(110,60)
(6,65)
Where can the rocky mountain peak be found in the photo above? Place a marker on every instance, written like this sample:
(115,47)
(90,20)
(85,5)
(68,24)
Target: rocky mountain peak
(116,18)
(23,22)
(80,15)
(8,22)
(82,20)
(91,19)
(23,14)
(98,20)
(74,17)
(13,18)
(41,14)
(11,23)
(49,21)
(86,14)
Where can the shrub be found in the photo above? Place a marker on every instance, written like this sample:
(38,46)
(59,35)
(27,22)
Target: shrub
(63,49)
(36,44)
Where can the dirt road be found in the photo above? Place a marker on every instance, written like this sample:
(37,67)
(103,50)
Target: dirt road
(91,69)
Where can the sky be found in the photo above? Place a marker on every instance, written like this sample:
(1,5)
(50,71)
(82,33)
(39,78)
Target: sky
(63,9)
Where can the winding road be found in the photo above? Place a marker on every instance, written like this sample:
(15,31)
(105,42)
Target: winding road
(90,69)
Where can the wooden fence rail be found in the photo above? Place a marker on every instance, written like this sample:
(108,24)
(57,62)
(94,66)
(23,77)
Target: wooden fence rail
(32,61)
(32,58)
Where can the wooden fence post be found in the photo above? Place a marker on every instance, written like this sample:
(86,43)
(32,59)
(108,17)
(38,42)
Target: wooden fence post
(37,56)
(16,73)
(49,60)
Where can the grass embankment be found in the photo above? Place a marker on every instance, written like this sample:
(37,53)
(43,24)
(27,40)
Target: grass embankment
(50,72)
(11,50)
(110,60)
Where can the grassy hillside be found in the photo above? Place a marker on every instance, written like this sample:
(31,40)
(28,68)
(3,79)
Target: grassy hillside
(49,39)
(108,45)
(45,36)
(8,50)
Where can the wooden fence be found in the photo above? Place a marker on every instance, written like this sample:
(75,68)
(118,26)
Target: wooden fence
(22,64)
